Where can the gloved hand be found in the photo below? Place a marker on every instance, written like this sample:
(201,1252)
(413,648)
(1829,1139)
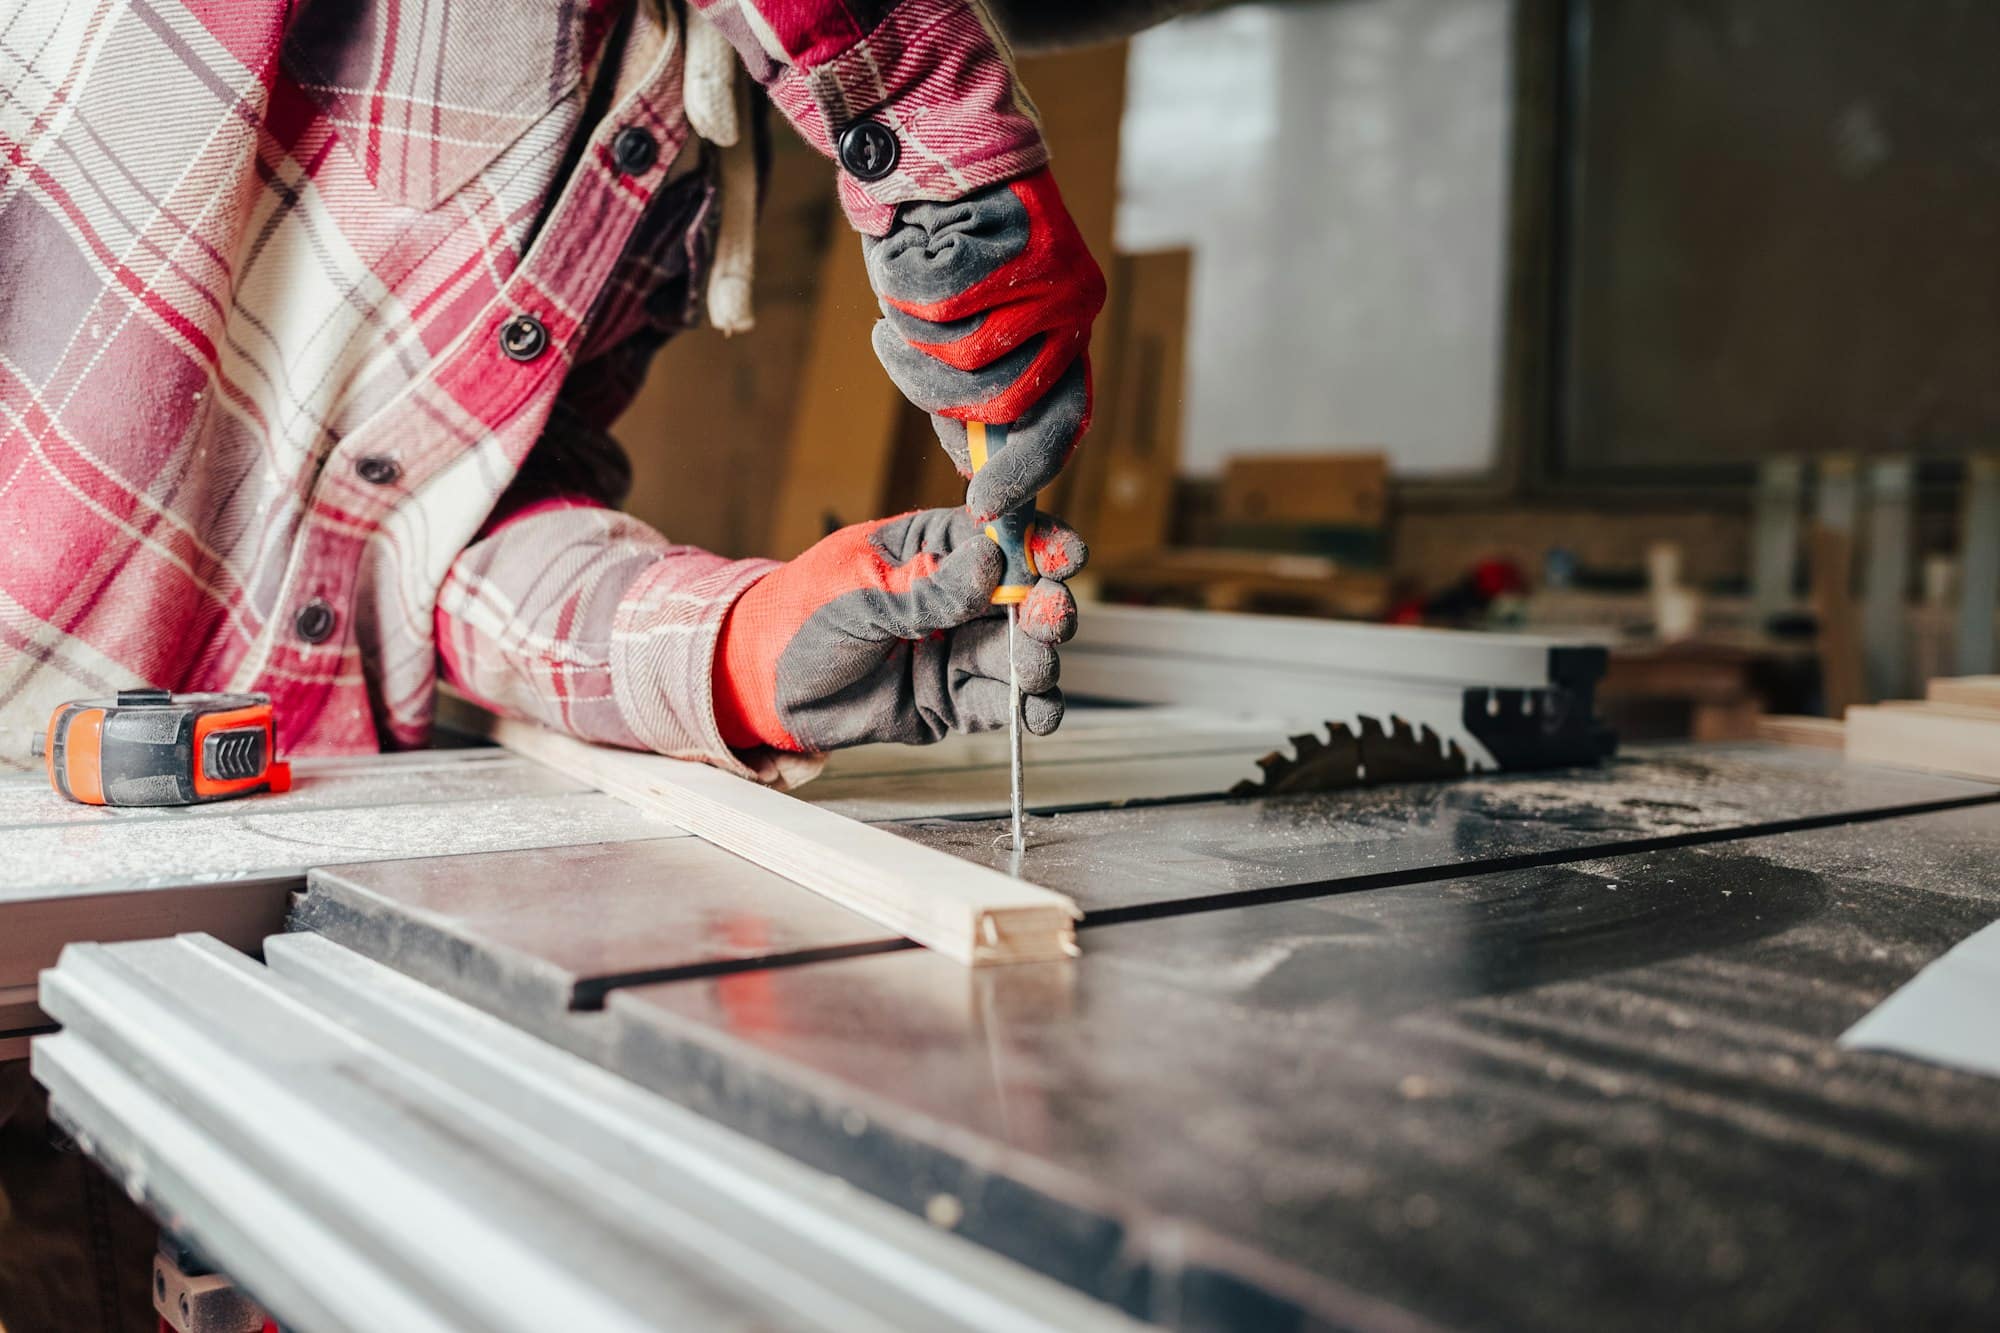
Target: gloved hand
(884,631)
(987,305)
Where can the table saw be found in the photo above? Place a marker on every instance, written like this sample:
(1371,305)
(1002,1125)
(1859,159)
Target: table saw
(1552,1048)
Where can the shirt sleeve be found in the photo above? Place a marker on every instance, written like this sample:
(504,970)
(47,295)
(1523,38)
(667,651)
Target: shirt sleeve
(913,99)
(574,615)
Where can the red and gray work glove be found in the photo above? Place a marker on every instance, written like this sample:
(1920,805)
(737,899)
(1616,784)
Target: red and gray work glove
(987,305)
(885,631)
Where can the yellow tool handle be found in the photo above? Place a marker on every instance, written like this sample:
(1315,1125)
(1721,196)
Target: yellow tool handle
(1015,531)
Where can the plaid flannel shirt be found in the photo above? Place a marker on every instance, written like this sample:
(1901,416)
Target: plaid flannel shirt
(312,320)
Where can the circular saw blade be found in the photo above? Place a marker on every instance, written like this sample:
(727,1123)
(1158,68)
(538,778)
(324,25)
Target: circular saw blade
(1342,759)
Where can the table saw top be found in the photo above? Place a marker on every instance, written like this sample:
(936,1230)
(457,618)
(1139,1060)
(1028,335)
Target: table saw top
(1534,1050)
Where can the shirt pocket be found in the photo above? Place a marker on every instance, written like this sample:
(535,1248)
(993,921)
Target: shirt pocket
(425,97)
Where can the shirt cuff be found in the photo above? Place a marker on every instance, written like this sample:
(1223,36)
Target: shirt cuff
(936,76)
(662,660)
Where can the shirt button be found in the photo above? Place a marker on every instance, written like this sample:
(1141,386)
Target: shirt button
(634,151)
(314,622)
(868,150)
(378,470)
(523,338)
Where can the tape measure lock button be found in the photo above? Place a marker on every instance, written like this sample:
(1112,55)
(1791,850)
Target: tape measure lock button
(234,754)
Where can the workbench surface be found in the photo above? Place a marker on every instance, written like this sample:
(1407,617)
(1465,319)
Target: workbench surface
(1544,1050)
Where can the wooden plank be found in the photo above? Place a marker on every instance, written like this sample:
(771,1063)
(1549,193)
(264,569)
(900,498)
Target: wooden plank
(1819,733)
(1335,488)
(710,429)
(845,423)
(1941,740)
(1839,626)
(1216,579)
(1970,691)
(1979,565)
(1885,586)
(1080,96)
(964,911)
(1139,454)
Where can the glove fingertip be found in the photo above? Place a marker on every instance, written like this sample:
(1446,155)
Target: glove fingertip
(970,574)
(1048,614)
(1042,713)
(1059,550)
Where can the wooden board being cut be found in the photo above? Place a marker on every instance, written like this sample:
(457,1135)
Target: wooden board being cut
(964,911)
(1937,739)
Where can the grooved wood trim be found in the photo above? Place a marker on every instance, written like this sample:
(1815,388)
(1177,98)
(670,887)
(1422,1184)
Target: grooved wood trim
(962,910)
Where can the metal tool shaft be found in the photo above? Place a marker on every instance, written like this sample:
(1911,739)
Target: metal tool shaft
(1014,727)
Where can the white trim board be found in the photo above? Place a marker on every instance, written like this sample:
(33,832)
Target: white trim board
(964,911)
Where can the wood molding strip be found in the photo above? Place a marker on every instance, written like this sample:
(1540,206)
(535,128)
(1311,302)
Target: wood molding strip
(962,910)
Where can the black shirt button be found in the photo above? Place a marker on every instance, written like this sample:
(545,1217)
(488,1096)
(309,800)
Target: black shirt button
(523,338)
(377,470)
(314,622)
(868,150)
(634,151)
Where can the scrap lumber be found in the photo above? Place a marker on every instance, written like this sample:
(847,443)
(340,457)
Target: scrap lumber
(1224,580)
(1839,625)
(1819,733)
(1138,449)
(1326,489)
(1935,738)
(844,425)
(965,911)
(1981,692)
(1080,97)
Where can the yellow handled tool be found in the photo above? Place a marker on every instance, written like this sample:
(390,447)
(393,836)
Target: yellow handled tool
(1015,534)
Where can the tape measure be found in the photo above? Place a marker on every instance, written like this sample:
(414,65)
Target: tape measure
(152,747)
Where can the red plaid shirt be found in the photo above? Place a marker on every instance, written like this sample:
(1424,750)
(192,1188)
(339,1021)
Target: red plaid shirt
(312,319)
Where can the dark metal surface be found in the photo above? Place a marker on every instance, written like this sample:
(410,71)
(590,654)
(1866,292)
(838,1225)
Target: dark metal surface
(536,932)
(1165,857)
(1603,1094)
(542,931)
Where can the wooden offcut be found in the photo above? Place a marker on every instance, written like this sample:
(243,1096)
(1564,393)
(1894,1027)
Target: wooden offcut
(1333,489)
(1080,96)
(1938,738)
(1982,692)
(1818,733)
(1839,621)
(962,910)
(1138,450)
(847,413)
(1224,580)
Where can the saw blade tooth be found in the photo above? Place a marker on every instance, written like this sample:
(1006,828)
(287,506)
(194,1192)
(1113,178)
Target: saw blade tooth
(1307,745)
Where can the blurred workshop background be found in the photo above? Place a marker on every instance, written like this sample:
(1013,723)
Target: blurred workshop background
(1672,321)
